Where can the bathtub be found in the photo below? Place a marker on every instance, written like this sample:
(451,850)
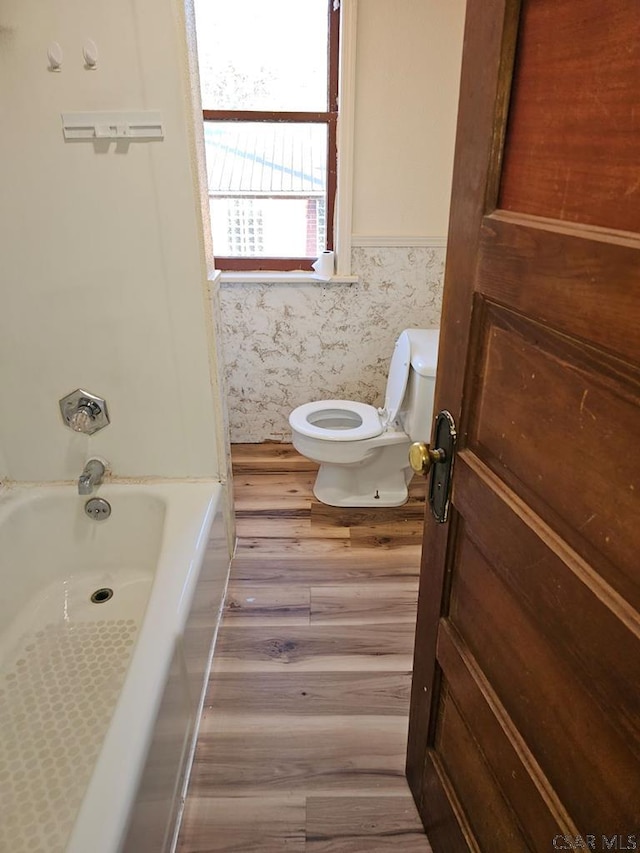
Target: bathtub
(100,697)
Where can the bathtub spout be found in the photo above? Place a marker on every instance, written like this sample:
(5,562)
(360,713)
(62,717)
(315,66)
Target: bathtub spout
(91,477)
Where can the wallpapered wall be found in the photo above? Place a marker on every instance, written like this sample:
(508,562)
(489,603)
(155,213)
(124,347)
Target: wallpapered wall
(287,344)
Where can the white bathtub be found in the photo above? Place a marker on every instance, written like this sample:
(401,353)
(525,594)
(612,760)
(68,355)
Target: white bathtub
(99,701)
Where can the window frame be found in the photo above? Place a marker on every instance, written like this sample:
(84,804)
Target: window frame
(328,117)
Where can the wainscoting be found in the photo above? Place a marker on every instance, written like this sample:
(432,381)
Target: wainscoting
(287,344)
(303,737)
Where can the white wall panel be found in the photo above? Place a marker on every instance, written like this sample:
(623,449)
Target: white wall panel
(103,275)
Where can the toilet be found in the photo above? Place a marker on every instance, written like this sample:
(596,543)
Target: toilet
(363,451)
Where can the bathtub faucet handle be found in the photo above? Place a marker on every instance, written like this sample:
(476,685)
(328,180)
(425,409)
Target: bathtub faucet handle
(84,412)
(91,477)
(82,420)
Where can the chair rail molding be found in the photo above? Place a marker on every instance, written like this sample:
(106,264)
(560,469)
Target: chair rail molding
(368,241)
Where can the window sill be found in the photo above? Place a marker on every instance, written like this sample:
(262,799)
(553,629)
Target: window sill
(267,277)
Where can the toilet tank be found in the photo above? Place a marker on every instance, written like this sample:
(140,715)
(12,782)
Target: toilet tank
(416,413)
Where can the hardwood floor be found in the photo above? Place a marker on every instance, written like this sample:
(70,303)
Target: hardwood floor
(303,737)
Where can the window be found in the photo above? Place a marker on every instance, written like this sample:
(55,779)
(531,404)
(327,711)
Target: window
(269,80)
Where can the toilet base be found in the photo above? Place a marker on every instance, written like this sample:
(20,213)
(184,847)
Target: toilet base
(341,485)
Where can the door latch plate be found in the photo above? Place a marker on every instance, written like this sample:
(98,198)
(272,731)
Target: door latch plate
(445,436)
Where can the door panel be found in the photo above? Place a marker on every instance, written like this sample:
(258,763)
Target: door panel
(578,72)
(525,710)
(547,383)
(550,705)
(495,824)
(542,576)
(538,811)
(449,831)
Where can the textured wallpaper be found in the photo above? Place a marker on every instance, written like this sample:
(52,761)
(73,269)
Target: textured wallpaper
(288,344)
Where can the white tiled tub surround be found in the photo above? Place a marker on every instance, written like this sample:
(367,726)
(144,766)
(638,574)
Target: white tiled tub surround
(98,702)
(284,345)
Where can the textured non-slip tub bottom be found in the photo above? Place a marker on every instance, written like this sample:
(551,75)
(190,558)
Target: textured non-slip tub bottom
(57,696)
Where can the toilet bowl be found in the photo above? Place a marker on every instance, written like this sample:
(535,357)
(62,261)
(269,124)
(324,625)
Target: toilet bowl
(362,450)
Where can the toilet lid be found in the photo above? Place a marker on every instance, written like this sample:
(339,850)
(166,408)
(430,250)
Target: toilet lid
(398,378)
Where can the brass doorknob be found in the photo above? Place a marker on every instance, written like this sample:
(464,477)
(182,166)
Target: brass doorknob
(422,457)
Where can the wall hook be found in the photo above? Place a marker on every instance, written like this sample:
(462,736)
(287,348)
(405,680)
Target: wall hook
(54,55)
(90,53)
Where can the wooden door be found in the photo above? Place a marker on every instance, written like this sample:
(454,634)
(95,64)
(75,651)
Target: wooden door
(525,711)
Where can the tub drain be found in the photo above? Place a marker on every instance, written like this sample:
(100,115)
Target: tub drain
(98,509)
(102,595)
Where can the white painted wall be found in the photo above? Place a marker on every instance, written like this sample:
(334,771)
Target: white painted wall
(102,284)
(407,79)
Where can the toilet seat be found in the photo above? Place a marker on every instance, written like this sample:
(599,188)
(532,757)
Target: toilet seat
(346,420)
(360,420)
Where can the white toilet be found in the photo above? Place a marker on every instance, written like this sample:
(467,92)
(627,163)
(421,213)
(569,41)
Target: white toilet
(363,451)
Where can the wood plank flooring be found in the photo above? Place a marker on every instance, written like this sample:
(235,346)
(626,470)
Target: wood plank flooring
(303,737)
